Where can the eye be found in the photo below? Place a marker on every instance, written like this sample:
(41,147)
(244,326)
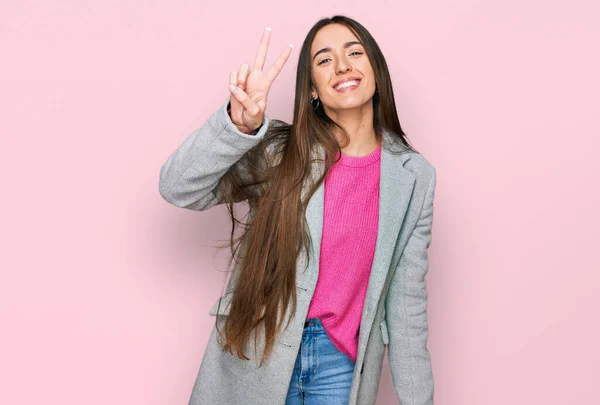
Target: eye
(351,53)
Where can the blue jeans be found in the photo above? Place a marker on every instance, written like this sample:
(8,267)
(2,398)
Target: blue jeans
(322,374)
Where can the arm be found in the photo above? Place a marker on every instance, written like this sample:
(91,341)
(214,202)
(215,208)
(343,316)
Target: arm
(190,176)
(406,313)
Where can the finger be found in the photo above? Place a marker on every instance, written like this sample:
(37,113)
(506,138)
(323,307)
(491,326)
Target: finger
(243,76)
(233,77)
(262,49)
(240,95)
(278,64)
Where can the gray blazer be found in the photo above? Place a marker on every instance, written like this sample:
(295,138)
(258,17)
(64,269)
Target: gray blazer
(395,310)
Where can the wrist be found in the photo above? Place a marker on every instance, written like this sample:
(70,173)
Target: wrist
(243,129)
(248,131)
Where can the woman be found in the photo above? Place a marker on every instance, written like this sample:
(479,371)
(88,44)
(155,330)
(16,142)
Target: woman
(331,265)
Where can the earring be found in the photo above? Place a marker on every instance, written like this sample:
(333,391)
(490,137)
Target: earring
(311,101)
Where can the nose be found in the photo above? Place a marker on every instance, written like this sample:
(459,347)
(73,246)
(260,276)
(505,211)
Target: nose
(343,66)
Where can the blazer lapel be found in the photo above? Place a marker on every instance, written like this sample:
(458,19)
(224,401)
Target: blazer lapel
(396,187)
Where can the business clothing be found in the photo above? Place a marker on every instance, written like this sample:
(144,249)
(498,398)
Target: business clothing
(395,307)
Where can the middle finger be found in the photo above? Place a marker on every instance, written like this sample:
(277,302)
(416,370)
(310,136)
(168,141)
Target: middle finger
(262,49)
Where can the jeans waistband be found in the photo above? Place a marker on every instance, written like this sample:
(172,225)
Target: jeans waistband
(313,325)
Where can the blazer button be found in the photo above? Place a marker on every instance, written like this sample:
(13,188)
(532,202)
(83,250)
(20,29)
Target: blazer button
(362,368)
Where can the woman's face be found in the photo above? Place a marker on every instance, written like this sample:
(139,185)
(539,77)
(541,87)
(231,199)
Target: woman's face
(337,56)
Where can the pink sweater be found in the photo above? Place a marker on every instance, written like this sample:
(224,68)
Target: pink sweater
(351,214)
(350,221)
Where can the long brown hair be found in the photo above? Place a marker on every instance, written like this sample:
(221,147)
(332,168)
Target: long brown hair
(276,172)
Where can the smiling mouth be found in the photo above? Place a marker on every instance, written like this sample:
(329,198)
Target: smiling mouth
(348,85)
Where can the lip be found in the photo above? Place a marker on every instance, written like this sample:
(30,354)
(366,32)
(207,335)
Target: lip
(345,80)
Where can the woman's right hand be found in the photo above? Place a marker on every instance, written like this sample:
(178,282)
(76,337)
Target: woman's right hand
(249,90)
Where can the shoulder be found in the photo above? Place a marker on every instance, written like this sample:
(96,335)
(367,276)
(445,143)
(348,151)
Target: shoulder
(412,159)
(425,179)
(422,168)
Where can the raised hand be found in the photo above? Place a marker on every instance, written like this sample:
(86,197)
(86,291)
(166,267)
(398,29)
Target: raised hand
(249,90)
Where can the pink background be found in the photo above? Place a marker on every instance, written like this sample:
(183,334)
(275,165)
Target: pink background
(106,288)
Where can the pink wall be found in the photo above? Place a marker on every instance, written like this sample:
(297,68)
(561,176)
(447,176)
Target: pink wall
(105,287)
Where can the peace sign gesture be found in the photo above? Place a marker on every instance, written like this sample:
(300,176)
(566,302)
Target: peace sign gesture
(249,90)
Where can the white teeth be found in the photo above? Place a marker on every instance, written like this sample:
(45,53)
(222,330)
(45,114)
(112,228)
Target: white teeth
(346,84)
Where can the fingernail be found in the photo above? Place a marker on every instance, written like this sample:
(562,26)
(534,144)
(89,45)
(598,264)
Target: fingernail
(268,28)
(291,45)
(232,88)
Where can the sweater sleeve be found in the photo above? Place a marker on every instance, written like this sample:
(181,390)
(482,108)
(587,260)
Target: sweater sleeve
(190,176)
(406,313)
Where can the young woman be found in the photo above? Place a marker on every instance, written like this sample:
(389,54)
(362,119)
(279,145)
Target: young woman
(330,268)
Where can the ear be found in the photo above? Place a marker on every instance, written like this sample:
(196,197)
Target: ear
(314,94)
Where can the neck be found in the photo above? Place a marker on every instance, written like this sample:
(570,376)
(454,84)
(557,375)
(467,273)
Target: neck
(358,123)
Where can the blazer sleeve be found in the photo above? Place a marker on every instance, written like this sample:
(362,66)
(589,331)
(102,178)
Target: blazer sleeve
(406,313)
(190,176)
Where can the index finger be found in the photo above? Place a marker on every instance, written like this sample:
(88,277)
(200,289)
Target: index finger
(262,49)
(278,64)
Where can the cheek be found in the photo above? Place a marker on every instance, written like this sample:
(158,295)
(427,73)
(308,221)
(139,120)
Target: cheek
(366,69)
(322,84)
(321,81)
(372,83)
(370,75)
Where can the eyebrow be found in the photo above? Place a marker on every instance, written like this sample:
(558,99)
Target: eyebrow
(328,49)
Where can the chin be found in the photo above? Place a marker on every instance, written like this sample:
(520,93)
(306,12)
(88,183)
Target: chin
(351,104)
